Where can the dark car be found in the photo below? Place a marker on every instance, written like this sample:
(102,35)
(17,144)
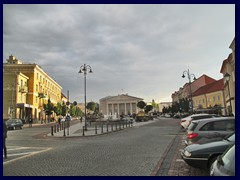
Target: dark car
(203,155)
(209,130)
(14,124)
(225,164)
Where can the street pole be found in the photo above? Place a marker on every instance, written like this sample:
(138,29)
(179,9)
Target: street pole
(190,84)
(85,100)
(83,69)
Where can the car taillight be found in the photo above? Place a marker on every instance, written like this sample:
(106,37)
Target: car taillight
(183,120)
(192,135)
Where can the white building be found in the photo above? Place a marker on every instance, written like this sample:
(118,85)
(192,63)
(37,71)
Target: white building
(117,105)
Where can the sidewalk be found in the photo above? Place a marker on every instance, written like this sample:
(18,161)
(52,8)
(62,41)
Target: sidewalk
(76,130)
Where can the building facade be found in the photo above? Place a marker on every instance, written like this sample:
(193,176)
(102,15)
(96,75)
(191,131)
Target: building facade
(210,98)
(29,88)
(228,67)
(186,91)
(164,104)
(117,105)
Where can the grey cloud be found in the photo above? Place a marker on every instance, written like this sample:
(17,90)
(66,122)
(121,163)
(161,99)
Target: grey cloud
(126,45)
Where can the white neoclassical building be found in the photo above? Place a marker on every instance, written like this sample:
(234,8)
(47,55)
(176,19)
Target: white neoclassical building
(120,104)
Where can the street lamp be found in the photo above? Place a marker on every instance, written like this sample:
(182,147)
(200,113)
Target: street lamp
(227,77)
(85,69)
(189,79)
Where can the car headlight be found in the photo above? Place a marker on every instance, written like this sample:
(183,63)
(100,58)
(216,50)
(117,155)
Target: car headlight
(187,154)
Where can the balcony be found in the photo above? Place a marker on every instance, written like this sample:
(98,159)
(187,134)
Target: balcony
(23,89)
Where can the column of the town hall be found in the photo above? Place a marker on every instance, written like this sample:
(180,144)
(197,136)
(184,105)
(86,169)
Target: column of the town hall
(131,108)
(118,110)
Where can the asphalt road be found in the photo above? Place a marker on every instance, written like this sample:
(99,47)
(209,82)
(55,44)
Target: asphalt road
(133,151)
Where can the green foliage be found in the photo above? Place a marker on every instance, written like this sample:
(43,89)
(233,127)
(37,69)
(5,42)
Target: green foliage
(64,109)
(91,106)
(48,108)
(141,104)
(58,109)
(74,103)
(148,108)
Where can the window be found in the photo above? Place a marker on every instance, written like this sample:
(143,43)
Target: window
(36,87)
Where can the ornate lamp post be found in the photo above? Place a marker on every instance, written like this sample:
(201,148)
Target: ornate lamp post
(85,69)
(227,77)
(189,75)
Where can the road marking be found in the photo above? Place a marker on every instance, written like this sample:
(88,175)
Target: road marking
(27,154)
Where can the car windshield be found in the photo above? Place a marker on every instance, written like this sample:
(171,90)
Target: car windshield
(229,158)
(231,137)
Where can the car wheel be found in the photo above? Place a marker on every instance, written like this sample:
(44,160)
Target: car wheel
(211,161)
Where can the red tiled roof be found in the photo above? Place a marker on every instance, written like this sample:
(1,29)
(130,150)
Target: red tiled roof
(212,87)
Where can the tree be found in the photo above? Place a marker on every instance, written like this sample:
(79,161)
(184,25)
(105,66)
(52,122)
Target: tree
(49,108)
(58,109)
(74,103)
(148,108)
(91,106)
(141,104)
(64,109)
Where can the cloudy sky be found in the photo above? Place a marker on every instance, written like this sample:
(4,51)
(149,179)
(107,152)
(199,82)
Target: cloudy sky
(141,50)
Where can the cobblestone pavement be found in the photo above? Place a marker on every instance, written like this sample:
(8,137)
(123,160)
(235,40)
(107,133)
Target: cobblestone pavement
(131,152)
(174,165)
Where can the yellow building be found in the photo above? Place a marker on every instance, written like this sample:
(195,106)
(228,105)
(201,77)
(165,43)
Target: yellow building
(228,71)
(210,98)
(26,87)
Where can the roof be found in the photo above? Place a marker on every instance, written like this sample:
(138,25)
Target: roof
(212,87)
(225,62)
(126,95)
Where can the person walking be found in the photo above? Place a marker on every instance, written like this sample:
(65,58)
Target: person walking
(30,121)
(4,139)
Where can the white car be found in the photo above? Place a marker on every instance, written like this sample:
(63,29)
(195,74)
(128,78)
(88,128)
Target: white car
(187,120)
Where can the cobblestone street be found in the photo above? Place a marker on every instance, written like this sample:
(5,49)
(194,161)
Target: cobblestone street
(178,167)
(152,149)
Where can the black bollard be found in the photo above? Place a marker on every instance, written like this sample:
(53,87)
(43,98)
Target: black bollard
(107,127)
(83,131)
(55,130)
(64,133)
(95,128)
(102,128)
(112,127)
(52,130)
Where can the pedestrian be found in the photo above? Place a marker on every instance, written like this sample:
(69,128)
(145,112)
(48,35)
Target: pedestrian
(4,139)
(30,121)
(59,120)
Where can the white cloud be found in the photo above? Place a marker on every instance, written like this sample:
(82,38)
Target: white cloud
(142,49)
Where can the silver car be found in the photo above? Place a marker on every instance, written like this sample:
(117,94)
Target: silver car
(209,130)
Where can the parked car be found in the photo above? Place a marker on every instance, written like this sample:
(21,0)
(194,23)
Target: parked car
(225,164)
(14,124)
(203,155)
(187,120)
(209,130)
